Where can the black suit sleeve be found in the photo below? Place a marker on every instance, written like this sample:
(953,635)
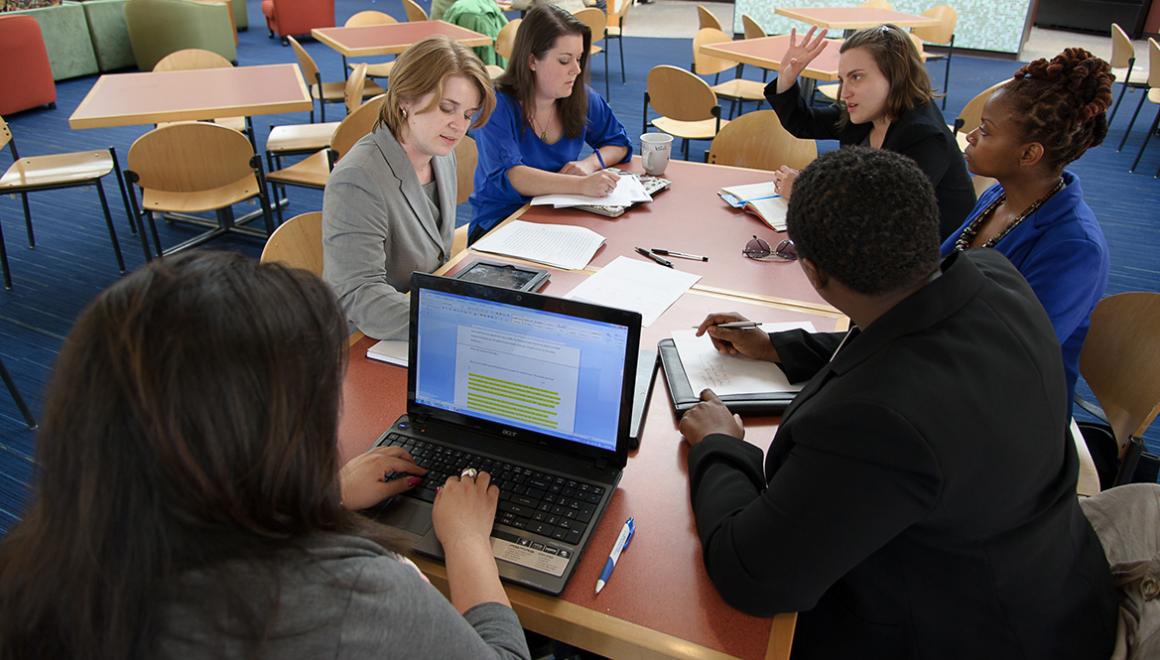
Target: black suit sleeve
(802,354)
(855,478)
(798,117)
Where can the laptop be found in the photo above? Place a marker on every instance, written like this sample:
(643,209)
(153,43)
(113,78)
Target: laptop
(535,390)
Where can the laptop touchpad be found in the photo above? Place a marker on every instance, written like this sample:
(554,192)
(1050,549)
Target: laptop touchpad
(408,515)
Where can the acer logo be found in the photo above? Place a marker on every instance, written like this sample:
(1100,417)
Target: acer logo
(508,432)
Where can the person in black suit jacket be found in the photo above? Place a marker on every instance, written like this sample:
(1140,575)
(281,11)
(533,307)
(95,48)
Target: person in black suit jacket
(918,500)
(885,103)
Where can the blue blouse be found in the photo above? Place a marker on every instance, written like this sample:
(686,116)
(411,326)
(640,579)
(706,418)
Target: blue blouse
(1061,251)
(506,141)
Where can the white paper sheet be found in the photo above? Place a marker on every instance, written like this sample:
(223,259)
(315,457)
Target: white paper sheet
(731,374)
(629,190)
(391,351)
(562,246)
(635,285)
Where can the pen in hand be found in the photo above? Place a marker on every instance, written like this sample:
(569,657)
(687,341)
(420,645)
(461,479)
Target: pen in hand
(660,260)
(735,325)
(622,541)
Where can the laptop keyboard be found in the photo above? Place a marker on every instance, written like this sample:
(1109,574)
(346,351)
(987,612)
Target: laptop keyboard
(548,505)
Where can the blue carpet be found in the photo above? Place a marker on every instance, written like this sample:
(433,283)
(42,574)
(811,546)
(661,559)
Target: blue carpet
(73,259)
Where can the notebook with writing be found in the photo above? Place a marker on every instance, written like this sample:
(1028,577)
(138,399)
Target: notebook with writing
(535,390)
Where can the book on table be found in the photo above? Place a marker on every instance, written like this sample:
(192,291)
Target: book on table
(760,199)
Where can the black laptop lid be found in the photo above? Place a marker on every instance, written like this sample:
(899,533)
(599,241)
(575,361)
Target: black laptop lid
(554,373)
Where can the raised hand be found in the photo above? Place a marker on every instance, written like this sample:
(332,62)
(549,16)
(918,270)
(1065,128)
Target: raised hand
(798,56)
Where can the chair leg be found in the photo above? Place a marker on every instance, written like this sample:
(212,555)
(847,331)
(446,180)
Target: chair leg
(620,42)
(607,83)
(28,220)
(135,216)
(109,224)
(29,420)
(1148,136)
(1123,89)
(121,188)
(153,230)
(685,149)
(1131,122)
(947,72)
(256,164)
(4,261)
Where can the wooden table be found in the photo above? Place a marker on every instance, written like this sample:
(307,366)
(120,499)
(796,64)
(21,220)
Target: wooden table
(854,18)
(128,99)
(392,39)
(660,603)
(690,217)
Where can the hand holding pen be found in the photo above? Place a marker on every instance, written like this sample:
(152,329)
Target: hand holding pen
(743,338)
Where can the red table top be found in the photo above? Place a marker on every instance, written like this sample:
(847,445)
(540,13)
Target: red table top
(394,38)
(852,18)
(766,52)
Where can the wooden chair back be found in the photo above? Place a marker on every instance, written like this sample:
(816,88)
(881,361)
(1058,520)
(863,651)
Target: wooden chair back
(5,133)
(369,17)
(305,62)
(1123,52)
(506,39)
(192,58)
(355,125)
(1153,63)
(414,11)
(706,19)
(877,4)
(707,65)
(1120,360)
(466,158)
(595,20)
(752,29)
(941,33)
(758,140)
(617,10)
(678,94)
(972,112)
(191,157)
(297,243)
(353,92)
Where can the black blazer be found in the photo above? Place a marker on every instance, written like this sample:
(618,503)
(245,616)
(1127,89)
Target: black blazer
(918,500)
(920,133)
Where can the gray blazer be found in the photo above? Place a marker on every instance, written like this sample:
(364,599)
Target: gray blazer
(377,228)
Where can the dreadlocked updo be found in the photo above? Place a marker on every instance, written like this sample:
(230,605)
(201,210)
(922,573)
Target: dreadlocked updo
(1062,104)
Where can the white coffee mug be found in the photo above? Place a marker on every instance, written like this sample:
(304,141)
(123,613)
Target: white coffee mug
(654,152)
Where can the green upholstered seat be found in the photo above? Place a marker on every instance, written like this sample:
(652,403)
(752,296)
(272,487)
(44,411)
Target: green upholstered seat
(160,27)
(109,33)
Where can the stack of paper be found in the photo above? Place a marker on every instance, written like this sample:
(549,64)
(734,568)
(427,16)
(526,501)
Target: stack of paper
(761,200)
(731,374)
(636,286)
(390,351)
(629,191)
(562,246)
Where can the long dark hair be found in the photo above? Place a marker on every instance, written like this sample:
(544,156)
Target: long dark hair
(537,34)
(898,59)
(190,421)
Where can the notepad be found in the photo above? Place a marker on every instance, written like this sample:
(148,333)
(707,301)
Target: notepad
(761,200)
(563,246)
(629,190)
(390,351)
(635,285)
(731,374)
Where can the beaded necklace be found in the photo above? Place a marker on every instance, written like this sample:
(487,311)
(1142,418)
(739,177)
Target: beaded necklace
(964,240)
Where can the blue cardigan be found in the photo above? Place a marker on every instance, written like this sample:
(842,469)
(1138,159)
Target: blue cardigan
(506,141)
(1060,250)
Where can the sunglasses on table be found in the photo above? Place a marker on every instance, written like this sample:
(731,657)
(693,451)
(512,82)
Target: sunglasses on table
(759,249)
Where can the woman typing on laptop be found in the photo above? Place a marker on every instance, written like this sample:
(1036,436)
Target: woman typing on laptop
(190,504)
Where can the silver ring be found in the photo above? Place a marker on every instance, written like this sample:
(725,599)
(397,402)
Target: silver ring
(468,473)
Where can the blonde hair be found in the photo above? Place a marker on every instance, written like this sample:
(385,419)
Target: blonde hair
(422,69)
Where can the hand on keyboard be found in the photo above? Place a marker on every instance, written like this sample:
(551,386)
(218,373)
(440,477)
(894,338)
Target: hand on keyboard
(364,480)
(464,510)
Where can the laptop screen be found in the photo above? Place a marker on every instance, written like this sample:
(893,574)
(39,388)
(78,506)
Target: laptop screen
(552,373)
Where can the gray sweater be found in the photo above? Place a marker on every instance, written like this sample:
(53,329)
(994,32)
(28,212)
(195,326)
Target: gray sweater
(339,597)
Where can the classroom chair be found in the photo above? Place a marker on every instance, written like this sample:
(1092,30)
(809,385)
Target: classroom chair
(297,243)
(706,19)
(370,18)
(1124,66)
(504,42)
(942,34)
(597,22)
(758,140)
(687,105)
(1153,96)
(466,158)
(972,113)
(414,11)
(324,92)
(614,29)
(196,58)
(738,90)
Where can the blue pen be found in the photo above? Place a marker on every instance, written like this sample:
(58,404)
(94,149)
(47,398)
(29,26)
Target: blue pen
(622,541)
(600,159)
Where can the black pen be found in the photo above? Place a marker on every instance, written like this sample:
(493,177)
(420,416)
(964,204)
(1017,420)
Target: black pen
(683,255)
(650,255)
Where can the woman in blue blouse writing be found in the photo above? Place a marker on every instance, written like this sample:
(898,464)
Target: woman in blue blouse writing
(1032,127)
(545,113)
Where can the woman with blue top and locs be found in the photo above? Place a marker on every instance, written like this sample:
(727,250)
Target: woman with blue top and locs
(1031,128)
(545,113)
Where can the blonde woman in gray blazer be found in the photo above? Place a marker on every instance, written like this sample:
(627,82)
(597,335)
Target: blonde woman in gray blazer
(389,207)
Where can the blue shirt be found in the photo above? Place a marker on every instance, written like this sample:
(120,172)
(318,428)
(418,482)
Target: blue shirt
(1060,250)
(506,141)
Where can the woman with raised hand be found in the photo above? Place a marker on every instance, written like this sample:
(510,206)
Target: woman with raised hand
(1032,128)
(389,206)
(885,102)
(545,113)
(189,502)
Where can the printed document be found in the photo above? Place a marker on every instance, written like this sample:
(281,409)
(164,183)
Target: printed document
(629,190)
(732,374)
(563,246)
(635,285)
